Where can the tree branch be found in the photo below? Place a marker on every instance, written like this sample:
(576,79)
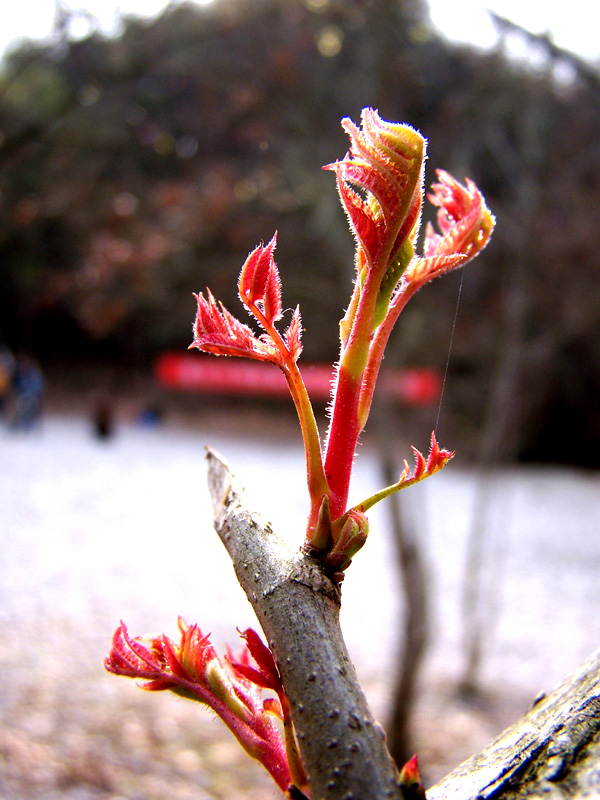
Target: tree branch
(552,752)
(297,605)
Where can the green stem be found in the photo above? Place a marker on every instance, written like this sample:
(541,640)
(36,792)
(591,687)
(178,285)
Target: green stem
(369,502)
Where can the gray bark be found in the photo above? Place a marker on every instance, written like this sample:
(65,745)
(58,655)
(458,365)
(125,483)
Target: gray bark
(342,746)
(553,752)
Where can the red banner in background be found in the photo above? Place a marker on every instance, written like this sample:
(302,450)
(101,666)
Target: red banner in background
(212,375)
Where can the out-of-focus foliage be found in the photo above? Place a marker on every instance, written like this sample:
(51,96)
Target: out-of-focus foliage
(136,170)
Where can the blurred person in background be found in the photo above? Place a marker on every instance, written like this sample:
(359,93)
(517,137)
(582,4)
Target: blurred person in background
(26,394)
(7,368)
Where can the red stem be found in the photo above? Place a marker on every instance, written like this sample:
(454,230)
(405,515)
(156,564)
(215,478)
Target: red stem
(353,392)
(342,440)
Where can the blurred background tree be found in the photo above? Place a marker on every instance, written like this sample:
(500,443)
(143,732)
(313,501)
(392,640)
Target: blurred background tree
(137,169)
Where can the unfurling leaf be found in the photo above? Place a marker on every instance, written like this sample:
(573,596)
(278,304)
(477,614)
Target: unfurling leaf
(463,218)
(385,161)
(194,669)
(293,334)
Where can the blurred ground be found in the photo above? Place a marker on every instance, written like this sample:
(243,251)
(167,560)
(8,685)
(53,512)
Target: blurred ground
(94,531)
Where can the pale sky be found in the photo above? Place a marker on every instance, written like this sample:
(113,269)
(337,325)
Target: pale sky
(574,25)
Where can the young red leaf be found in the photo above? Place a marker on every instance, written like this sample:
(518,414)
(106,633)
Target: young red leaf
(423,270)
(193,669)
(420,462)
(385,161)
(254,273)
(218,332)
(259,283)
(362,220)
(133,659)
(292,336)
(271,302)
(253,675)
(436,460)
(263,657)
